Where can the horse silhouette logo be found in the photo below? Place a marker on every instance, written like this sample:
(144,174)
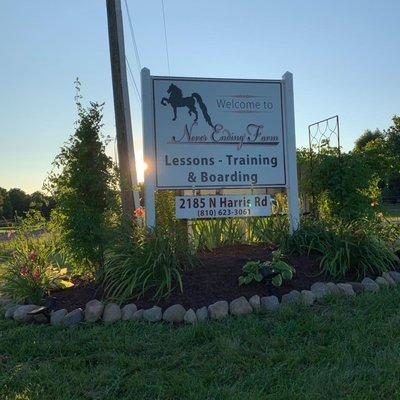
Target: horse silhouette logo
(176,100)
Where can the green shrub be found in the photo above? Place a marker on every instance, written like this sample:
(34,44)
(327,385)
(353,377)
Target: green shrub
(141,261)
(345,186)
(343,247)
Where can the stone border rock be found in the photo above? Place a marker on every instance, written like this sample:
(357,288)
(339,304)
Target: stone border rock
(111,313)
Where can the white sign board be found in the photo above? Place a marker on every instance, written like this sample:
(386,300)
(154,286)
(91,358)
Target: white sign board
(214,134)
(201,133)
(229,206)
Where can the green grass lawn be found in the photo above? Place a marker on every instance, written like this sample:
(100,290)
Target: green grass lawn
(348,348)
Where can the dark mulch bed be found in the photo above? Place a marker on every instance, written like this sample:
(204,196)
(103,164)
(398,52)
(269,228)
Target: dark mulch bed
(215,278)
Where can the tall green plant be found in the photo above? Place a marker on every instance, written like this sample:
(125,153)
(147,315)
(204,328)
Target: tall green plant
(83,185)
(210,234)
(344,247)
(142,261)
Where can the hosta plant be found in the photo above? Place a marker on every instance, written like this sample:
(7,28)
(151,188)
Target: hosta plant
(276,270)
(281,269)
(251,272)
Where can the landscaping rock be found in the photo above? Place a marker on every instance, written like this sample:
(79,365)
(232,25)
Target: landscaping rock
(370,285)
(56,317)
(395,276)
(128,311)
(93,310)
(190,317)
(292,297)
(202,314)
(240,306)
(138,315)
(218,310)
(357,287)
(332,288)
(174,313)
(111,314)
(21,313)
(319,289)
(307,297)
(269,303)
(10,311)
(346,289)
(153,314)
(387,276)
(382,282)
(41,318)
(255,302)
(73,318)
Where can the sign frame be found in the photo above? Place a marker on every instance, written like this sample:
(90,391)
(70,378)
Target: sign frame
(288,138)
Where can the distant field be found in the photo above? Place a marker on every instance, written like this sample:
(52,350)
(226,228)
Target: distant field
(392,211)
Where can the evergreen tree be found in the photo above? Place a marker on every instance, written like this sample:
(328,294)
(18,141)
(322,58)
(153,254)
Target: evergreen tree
(84,188)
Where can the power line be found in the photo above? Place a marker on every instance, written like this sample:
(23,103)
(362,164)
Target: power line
(133,37)
(165,36)
(133,80)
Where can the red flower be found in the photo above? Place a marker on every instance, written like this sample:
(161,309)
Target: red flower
(139,212)
(24,271)
(32,256)
(36,275)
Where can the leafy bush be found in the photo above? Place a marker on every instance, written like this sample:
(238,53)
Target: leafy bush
(276,269)
(345,187)
(143,261)
(343,247)
(84,186)
(35,265)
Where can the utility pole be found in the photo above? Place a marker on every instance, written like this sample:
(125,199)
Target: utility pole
(126,153)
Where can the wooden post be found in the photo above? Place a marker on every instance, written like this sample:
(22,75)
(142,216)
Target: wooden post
(291,172)
(126,153)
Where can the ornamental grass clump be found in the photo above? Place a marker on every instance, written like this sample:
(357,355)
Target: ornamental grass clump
(344,247)
(142,261)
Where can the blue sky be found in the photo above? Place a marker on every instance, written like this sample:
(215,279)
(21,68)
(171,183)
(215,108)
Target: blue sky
(344,55)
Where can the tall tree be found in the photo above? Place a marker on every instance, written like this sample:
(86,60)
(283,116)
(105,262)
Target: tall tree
(83,188)
(19,202)
(368,136)
(392,136)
